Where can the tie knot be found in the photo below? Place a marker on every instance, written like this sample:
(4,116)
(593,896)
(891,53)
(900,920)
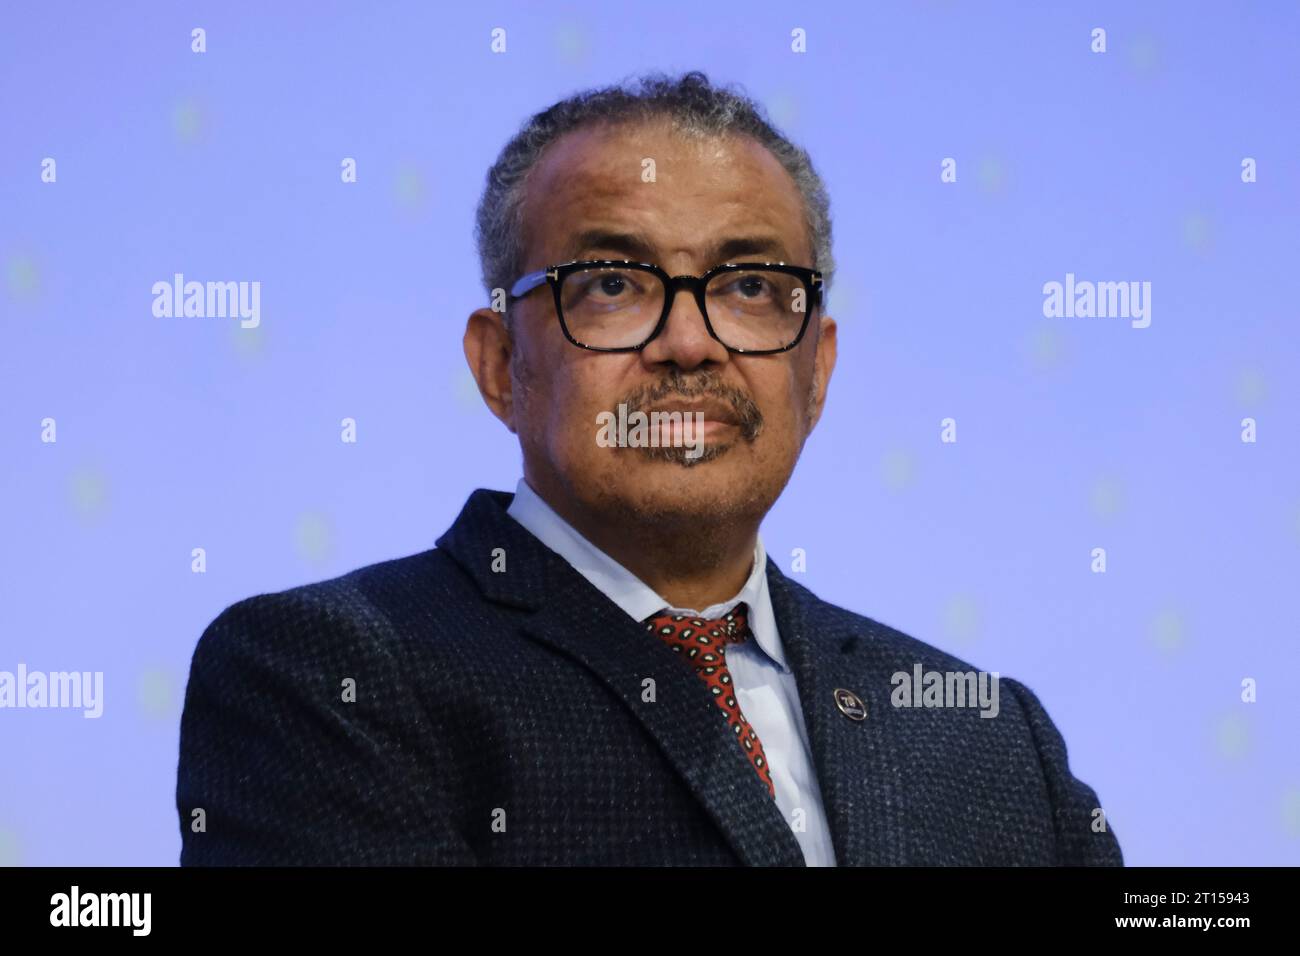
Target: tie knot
(701,640)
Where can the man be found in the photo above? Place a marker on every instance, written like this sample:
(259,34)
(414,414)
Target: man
(604,668)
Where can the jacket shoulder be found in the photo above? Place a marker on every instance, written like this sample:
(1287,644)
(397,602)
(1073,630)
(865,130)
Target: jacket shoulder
(884,643)
(304,739)
(1023,741)
(351,613)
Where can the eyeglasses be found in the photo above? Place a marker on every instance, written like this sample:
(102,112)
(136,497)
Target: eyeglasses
(616,305)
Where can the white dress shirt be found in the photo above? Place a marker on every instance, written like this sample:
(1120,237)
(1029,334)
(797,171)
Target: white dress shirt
(765,686)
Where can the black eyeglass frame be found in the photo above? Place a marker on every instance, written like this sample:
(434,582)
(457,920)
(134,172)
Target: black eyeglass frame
(556,274)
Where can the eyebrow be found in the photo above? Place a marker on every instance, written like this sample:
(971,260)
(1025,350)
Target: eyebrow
(637,246)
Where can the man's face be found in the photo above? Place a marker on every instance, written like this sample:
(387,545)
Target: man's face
(708,197)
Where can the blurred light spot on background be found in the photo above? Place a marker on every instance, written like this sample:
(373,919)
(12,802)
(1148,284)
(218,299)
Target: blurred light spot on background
(1197,233)
(155,694)
(10,852)
(1251,388)
(190,122)
(845,301)
(410,188)
(1107,497)
(1142,53)
(22,277)
(249,344)
(313,538)
(962,619)
(1169,631)
(1232,736)
(88,493)
(898,469)
(1047,347)
(783,109)
(570,41)
(467,395)
(992,175)
(1291,812)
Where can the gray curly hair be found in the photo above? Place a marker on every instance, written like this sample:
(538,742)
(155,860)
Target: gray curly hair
(693,105)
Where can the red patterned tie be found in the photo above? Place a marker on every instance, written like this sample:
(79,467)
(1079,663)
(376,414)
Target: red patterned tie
(704,643)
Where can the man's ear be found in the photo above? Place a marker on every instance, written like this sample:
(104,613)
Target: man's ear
(823,366)
(488,350)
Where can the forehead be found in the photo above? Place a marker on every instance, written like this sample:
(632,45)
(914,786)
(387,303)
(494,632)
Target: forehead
(706,191)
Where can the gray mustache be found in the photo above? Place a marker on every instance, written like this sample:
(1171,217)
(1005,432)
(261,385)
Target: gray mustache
(678,386)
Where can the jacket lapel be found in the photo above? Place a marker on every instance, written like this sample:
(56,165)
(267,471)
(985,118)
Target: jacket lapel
(683,718)
(858,767)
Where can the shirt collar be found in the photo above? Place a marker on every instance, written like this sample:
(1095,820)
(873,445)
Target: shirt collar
(637,599)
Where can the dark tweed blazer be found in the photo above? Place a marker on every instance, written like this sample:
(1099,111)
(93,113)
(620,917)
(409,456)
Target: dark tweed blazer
(499,718)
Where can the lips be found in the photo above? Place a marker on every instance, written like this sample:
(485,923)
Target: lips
(724,406)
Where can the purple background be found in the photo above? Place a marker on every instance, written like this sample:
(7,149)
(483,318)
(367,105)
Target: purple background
(1072,433)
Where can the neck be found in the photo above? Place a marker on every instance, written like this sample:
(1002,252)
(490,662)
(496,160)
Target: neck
(688,561)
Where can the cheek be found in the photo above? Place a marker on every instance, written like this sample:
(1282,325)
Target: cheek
(783,404)
(564,415)
(799,391)
(579,390)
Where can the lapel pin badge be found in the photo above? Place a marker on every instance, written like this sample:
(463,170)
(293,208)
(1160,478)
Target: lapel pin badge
(850,704)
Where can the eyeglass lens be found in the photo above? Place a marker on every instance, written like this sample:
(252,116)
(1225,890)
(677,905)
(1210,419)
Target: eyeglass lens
(618,307)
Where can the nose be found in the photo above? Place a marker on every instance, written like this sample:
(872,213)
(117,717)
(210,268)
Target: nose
(685,340)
